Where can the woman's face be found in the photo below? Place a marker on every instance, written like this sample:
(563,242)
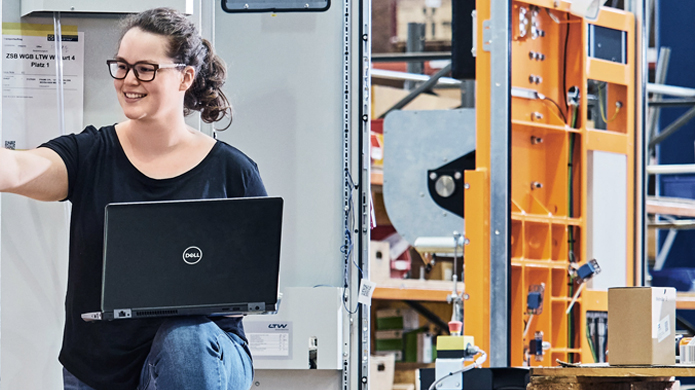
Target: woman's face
(150,100)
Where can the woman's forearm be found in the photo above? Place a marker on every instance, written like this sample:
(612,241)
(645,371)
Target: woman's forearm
(38,174)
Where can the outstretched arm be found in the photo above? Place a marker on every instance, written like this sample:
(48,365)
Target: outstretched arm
(39,174)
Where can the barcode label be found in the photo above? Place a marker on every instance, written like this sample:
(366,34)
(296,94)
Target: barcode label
(663,329)
(366,291)
(687,353)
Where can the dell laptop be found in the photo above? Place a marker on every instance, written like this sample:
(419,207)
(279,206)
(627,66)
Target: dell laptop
(198,257)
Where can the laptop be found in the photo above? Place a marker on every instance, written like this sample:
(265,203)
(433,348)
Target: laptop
(197,257)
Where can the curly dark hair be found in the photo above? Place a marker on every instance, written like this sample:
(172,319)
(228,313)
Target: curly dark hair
(186,46)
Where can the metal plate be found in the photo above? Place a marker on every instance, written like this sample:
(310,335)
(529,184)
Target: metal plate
(275,5)
(415,142)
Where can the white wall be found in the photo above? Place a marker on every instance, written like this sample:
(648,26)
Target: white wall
(34,235)
(285,84)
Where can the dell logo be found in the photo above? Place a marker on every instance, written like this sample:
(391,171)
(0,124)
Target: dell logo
(192,255)
(277,326)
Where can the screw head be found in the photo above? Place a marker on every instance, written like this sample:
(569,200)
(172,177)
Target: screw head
(466,186)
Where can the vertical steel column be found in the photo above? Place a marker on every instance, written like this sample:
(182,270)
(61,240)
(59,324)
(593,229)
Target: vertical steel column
(365,195)
(641,10)
(499,182)
(415,44)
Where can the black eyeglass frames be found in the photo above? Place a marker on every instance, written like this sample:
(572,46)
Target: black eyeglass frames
(144,71)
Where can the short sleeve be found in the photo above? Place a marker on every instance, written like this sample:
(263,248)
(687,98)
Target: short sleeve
(68,148)
(253,183)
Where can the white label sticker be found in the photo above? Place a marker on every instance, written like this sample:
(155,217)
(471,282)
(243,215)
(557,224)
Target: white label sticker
(269,344)
(269,339)
(663,329)
(366,291)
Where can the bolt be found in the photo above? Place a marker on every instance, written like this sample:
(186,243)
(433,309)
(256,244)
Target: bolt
(257,383)
(306,5)
(541,57)
(536,140)
(531,79)
(536,116)
(422,194)
(539,80)
(457,175)
(532,55)
(433,176)
(466,186)
(536,184)
(246,6)
(466,241)
(497,232)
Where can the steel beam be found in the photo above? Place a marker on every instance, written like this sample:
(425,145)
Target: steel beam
(500,57)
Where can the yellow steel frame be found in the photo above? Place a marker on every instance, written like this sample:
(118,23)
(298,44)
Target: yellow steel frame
(540,218)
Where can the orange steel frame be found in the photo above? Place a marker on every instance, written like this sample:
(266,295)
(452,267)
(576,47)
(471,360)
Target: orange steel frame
(540,217)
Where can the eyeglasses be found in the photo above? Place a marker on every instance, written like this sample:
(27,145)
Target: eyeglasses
(144,71)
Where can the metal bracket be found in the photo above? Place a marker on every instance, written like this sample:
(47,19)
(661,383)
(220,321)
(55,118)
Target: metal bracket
(487,35)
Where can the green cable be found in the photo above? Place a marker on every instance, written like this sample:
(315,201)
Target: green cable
(591,343)
(570,241)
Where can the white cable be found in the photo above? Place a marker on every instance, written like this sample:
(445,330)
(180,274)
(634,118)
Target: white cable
(528,325)
(574,299)
(477,363)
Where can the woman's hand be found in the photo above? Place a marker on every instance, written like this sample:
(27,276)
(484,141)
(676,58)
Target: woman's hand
(39,174)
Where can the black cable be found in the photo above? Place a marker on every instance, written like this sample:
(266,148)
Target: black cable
(562,114)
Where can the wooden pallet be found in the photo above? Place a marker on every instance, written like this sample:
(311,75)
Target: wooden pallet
(608,377)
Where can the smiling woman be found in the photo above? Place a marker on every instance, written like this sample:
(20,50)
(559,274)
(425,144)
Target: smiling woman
(163,70)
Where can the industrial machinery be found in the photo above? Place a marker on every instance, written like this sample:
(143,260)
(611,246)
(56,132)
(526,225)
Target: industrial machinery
(548,182)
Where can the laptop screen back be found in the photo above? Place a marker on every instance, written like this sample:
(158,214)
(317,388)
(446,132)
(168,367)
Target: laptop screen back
(192,253)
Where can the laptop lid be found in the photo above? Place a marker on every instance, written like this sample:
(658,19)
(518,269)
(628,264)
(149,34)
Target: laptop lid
(216,256)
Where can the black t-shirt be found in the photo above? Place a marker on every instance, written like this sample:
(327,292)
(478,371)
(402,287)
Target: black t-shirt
(110,355)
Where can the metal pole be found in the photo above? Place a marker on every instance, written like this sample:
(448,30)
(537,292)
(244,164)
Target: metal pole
(420,89)
(415,44)
(672,128)
(468,93)
(500,36)
(671,169)
(660,78)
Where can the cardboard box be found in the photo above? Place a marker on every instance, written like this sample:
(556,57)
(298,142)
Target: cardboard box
(397,319)
(379,261)
(381,370)
(641,326)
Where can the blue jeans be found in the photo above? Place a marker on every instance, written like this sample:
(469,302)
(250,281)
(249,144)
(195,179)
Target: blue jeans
(190,353)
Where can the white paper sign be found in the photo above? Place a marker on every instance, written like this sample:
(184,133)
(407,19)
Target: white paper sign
(270,339)
(29,97)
